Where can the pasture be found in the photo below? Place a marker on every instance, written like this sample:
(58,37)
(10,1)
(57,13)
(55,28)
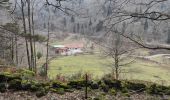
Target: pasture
(98,66)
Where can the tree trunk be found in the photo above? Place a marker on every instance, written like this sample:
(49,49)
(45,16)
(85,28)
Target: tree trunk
(25,31)
(31,44)
(16,50)
(34,49)
(12,50)
(46,67)
(116,65)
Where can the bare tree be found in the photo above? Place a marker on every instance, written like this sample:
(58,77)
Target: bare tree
(48,37)
(25,32)
(119,49)
(149,10)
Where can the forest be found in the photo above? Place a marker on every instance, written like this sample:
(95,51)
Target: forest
(84,49)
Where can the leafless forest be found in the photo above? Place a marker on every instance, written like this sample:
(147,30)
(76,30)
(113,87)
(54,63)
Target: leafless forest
(40,36)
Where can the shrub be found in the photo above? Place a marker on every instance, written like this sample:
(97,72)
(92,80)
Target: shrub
(41,92)
(94,86)
(5,76)
(34,88)
(126,94)
(39,55)
(26,74)
(135,86)
(77,84)
(58,90)
(2,87)
(124,90)
(57,84)
(26,85)
(158,89)
(116,84)
(42,72)
(105,87)
(95,98)
(15,84)
(113,91)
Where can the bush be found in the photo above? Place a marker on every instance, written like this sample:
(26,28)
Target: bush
(158,89)
(58,90)
(5,76)
(105,87)
(113,92)
(2,87)
(77,84)
(116,84)
(26,85)
(139,87)
(94,86)
(124,90)
(41,92)
(42,72)
(34,88)
(126,94)
(39,55)
(26,74)
(57,84)
(15,84)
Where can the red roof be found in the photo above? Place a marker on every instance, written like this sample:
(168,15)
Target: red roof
(74,45)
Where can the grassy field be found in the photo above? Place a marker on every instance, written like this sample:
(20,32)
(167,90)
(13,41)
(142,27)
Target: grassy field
(141,69)
(69,65)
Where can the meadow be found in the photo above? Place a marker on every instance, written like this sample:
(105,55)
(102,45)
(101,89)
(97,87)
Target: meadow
(98,66)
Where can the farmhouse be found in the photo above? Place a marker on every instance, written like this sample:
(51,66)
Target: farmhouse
(69,49)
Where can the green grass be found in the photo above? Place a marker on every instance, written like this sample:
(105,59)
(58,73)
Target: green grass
(73,64)
(148,71)
(98,66)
